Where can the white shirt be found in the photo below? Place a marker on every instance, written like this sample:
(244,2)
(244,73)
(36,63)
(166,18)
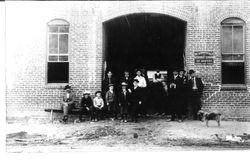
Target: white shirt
(142,82)
(194,83)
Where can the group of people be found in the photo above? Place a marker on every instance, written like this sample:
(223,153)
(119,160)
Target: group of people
(130,97)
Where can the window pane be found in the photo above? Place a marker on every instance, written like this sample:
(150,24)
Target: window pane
(58,72)
(53,28)
(63,43)
(237,57)
(53,58)
(238,39)
(226,39)
(226,57)
(64,29)
(63,58)
(53,44)
(233,73)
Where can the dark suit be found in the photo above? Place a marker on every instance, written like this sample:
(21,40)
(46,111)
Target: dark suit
(182,97)
(174,96)
(67,103)
(86,106)
(123,99)
(106,82)
(135,98)
(195,95)
(128,81)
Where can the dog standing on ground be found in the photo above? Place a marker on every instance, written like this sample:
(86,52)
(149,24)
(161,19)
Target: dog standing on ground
(206,116)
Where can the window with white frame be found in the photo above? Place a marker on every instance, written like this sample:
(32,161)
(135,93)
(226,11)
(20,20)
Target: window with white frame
(58,50)
(233,51)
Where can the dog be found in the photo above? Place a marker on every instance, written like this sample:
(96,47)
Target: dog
(206,116)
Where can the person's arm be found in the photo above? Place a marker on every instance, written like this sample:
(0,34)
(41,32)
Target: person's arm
(144,84)
(81,103)
(72,99)
(62,100)
(102,103)
(95,105)
(107,97)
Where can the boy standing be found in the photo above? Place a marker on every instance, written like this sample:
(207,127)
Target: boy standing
(136,100)
(123,99)
(98,107)
(110,100)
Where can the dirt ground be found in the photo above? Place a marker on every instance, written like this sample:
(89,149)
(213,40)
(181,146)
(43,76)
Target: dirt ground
(154,134)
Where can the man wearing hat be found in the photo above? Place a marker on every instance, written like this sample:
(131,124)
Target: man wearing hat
(109,79)
(173,94)
(136,100)
(127,79)
(123,99)
(67,102)
(195,87)
(182,95)
(86,104)
(110,98)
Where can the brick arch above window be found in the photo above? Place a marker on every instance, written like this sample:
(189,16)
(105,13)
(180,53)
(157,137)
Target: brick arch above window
(58,21)
(238,15)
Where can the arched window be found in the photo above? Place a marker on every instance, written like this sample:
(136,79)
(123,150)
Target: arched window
(233,51)
(58,49)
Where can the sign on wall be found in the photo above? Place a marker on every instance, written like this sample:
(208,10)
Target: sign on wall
(203,58)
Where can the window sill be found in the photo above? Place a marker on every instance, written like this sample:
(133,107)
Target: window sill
(233,87)
(55,85)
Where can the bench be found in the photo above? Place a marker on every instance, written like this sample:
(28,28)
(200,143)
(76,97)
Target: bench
(73,111)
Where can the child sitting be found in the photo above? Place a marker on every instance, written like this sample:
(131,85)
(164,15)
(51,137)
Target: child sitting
(98,107)
(86,105)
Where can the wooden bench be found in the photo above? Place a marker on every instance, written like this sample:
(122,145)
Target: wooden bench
(73,111)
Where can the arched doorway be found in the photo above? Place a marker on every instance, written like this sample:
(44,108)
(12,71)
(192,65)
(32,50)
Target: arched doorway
(145,40)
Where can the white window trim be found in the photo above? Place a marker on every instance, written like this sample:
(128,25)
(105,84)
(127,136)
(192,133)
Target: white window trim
(243,24)
(58,54)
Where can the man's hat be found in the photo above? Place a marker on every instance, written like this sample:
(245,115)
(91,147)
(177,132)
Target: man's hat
(111,85)
(124,84)
(136,80)
(191,71)
(138,70)
(67,87)
(175,69)
(98,92)
(86,93)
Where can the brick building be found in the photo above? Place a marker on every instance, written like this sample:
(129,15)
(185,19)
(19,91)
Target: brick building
(80,40)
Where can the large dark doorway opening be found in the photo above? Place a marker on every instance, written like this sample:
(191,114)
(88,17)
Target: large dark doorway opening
(149,41)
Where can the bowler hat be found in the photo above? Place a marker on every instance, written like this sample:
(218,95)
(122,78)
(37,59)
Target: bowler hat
(138,70)
(111,85)
(86,93)
(191,71)
(136,80)
(124,84)
(98,92)
(67,87)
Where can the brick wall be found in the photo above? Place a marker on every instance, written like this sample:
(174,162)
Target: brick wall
(27,91)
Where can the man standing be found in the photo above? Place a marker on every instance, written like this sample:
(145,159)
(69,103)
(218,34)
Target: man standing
(136,100)
(195,87)
(127,79)
(67,102)
(142,84)
(109,79)
(173,94)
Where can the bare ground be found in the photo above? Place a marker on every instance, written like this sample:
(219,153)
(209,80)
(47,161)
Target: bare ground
(148,135)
